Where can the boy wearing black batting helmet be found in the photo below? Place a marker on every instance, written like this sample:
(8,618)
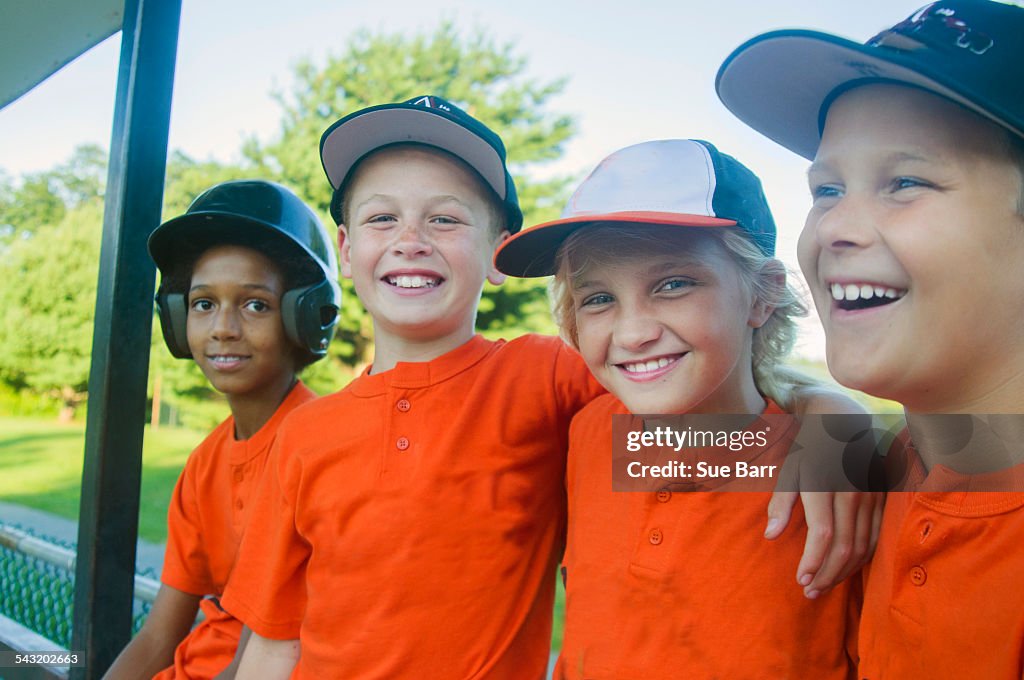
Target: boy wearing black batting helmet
(249,291)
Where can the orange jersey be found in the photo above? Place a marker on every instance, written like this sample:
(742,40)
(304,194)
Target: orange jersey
(945,590)
(205,523)
(683,584)
(413,524)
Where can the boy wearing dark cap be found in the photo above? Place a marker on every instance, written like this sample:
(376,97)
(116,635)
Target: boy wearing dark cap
(913,250)
(413,524)
(414,520)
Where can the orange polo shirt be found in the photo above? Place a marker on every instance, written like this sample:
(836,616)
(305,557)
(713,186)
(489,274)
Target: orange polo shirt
(683,584)
(205,522)
(945,591)
(413,524)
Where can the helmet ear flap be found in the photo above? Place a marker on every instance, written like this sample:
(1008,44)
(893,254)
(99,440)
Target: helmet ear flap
(173,319)
(310,315)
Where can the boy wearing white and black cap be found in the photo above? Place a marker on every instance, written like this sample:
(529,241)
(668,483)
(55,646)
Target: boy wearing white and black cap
(665,281)
(913,250)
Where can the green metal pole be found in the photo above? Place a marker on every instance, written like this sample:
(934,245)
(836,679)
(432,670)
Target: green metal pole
(108,515)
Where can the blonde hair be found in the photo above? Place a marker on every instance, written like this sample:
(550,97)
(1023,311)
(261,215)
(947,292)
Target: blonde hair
(608,243)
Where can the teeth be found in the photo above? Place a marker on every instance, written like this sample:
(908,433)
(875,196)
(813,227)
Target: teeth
(224,358)
(413,281)
(864,291)
(647,366)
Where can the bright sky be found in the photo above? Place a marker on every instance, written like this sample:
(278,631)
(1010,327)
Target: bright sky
(646,72)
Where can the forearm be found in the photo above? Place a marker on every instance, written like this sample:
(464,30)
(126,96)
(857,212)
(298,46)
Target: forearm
(231,671)
(145,656)
(152,650)
(266,659)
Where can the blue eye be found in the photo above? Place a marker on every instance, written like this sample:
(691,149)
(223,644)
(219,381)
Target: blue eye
(677,284)
(908,183)
(826,191)
(596,300)
(381,220)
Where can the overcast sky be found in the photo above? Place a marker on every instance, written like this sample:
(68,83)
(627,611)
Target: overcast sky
(637,71)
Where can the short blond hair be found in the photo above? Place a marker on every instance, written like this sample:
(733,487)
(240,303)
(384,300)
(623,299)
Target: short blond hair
(609,242)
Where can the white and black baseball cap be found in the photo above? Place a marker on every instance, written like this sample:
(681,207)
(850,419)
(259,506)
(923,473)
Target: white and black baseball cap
(674,182)
(969,51)
(426,120)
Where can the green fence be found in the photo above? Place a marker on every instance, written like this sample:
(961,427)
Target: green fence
(37,584)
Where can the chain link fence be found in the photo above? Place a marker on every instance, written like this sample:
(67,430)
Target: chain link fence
(37,584)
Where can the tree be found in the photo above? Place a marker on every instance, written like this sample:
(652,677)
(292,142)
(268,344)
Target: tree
(48,284)
(44,198)
(486,79)
(187,178)
(28,207)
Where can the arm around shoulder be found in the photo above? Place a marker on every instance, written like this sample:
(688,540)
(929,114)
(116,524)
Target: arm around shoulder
(842,527)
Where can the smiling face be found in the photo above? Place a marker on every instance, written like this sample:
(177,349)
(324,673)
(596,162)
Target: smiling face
(418,246)
(913,251)
(668,330)
(234,325)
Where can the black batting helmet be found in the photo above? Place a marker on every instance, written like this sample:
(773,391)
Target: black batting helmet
(270,219)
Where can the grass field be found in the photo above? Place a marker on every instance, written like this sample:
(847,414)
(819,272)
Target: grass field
(41,467)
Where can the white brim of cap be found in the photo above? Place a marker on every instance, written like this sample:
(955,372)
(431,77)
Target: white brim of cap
(777,83)
(355,138)
(532,252)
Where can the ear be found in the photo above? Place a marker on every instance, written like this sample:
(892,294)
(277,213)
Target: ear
(344,252)
(773,276)
(493,275)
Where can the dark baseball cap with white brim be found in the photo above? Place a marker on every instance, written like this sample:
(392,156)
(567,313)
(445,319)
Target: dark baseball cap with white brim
(971,52)
(428,120)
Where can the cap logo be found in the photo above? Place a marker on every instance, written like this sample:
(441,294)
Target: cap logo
(933,26)
(430,103)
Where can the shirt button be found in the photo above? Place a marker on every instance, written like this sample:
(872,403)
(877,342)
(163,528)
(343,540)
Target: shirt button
(664,495)
(402,443)
(655,536)
(918,576)
(403,405)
